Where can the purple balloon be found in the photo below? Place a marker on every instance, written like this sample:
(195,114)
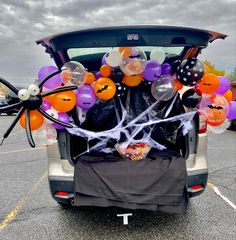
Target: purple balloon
(54,81)
(165,69)
(85,97)
(232,110)
(152,70)
(98,75)
(224,85)
(62,117)
(45,105)
(104,59)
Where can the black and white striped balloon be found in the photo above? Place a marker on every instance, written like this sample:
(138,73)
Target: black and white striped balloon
(190,71)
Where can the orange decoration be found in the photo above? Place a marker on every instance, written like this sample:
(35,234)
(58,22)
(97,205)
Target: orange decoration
(89,78)
(66,76)
(228,96)
(105,70)
(63,101)
(209,83)
(36,120)
(177,85)
(126,52)
(132,81)
(207,69)
(215,117)
(104,88)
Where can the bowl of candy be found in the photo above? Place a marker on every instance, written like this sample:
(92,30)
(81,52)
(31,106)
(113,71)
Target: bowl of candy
(133,151)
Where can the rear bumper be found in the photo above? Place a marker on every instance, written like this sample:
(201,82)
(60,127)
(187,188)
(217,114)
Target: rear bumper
(66,184)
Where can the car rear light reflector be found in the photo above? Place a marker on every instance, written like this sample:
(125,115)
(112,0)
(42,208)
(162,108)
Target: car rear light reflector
(63,194)
(202,124)
(197,187)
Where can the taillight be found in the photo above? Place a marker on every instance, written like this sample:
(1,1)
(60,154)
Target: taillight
(61,194)
(202,124)
(197,187)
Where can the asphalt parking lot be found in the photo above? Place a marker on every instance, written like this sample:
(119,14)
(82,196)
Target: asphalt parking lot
(27,210)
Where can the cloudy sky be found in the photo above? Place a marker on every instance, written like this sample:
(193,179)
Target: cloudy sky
(23,22)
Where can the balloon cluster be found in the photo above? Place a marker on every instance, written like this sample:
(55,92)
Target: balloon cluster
(46,105)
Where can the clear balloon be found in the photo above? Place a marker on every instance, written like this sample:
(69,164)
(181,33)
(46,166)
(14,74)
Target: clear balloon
(45,136)
(54,81)
(219,129)
(113,58)
(158,54)
(133,61)
(162,88)
(77,71)
(214,108)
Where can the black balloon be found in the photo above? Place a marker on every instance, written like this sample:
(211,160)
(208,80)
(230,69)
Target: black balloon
(191,98)
(174,60)
(190,72)
(120,89)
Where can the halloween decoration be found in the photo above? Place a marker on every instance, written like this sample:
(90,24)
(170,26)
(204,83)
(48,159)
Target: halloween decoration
(228,96)
(190,72)
(63,101)
(85,97)
(191,98)
(158,54)
(120,89)
(132,81)
(232,110)
(209,83)
(173,60)
(63,117)
(77,72)
(224,85)
(133,61)
(105,70)
(214,108)
(30,100)
(152,70)
(166,69)
(89,78)
(104,88)
(113,58)
(162,88)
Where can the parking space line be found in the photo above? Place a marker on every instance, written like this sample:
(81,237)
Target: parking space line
(12,215)
(22,150)
(216,190)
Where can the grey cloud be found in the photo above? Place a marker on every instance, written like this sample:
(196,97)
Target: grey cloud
(22,22)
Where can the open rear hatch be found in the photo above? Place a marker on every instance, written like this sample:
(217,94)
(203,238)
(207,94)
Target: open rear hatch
(102,177)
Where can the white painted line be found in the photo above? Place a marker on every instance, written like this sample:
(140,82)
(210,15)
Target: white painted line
(216,190)
(23,150)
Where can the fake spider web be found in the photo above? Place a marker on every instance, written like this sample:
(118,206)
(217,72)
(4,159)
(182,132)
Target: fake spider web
(144,123)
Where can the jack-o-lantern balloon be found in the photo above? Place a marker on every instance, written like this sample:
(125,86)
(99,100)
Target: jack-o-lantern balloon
(104,88)
(209,83)
(214,108)
(63,101)
(132,81)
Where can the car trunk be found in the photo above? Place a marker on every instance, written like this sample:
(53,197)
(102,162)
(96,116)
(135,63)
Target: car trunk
(157,182)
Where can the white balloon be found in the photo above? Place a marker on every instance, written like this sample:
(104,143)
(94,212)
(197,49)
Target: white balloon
(218,129)
(158,54)
(113,58)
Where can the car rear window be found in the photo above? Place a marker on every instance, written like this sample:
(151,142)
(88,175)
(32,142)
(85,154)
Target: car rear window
(77,52)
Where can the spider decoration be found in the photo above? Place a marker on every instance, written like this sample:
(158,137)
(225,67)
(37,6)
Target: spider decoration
(30,100)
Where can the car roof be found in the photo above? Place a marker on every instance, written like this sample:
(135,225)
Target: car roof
(139,35)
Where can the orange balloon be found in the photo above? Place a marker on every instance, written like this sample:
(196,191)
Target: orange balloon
(215,117)
(89,78)
(132,81)
(177,85)
(228,95)
(209,83)
(105,70)
(63,101)
(36,120)
(126,52)
(104,88)
(207,69)
(66,76)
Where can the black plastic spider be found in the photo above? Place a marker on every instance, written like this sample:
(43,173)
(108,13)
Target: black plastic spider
(31,99)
